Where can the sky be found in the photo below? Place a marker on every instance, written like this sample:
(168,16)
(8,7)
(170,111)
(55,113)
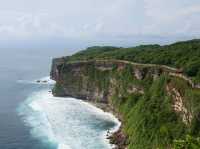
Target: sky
(78,23)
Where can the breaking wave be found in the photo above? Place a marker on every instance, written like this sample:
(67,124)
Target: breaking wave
(43,80)
(67,123)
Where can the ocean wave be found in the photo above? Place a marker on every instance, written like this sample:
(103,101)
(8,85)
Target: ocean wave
(43,81)
(66,122)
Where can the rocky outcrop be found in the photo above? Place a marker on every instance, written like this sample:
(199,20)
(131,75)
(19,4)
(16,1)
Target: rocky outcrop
(119,139)
(55,68)
(179,105)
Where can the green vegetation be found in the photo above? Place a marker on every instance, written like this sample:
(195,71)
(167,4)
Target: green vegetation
(98,78)
(183,55)
(58,89)
(188,143)
(149,118)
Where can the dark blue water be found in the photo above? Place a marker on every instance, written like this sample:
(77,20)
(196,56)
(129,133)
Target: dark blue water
(23,123)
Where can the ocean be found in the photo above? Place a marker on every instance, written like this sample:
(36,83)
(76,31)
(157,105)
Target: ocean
(31,118)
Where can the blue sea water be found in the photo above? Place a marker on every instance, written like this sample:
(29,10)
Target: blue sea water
(31,118)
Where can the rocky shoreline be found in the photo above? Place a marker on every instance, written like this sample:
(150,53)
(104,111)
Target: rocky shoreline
(117,137)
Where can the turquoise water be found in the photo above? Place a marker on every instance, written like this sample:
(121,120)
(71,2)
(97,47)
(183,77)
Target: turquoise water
(31,118)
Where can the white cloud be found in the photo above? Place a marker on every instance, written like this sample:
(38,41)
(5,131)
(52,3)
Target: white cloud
(94,18)
(173,17)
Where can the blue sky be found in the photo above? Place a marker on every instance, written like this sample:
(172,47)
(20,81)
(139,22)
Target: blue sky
(88,22)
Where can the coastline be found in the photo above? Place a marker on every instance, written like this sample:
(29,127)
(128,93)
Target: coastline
(35,103)
(115,136)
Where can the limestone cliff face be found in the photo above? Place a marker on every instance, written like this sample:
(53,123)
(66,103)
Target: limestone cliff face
(55,68)
(77,79)
(179,105)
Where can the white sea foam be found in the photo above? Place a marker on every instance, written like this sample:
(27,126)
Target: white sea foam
(67,122)
(43,80)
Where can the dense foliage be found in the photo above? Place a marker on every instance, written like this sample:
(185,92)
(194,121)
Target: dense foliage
(188,142)
(183,55)
(149,120)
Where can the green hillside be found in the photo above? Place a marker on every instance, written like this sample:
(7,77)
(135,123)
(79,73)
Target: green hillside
(157,112)
(183,55)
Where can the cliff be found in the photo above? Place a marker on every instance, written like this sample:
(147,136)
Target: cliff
(158,104)
(73,77)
